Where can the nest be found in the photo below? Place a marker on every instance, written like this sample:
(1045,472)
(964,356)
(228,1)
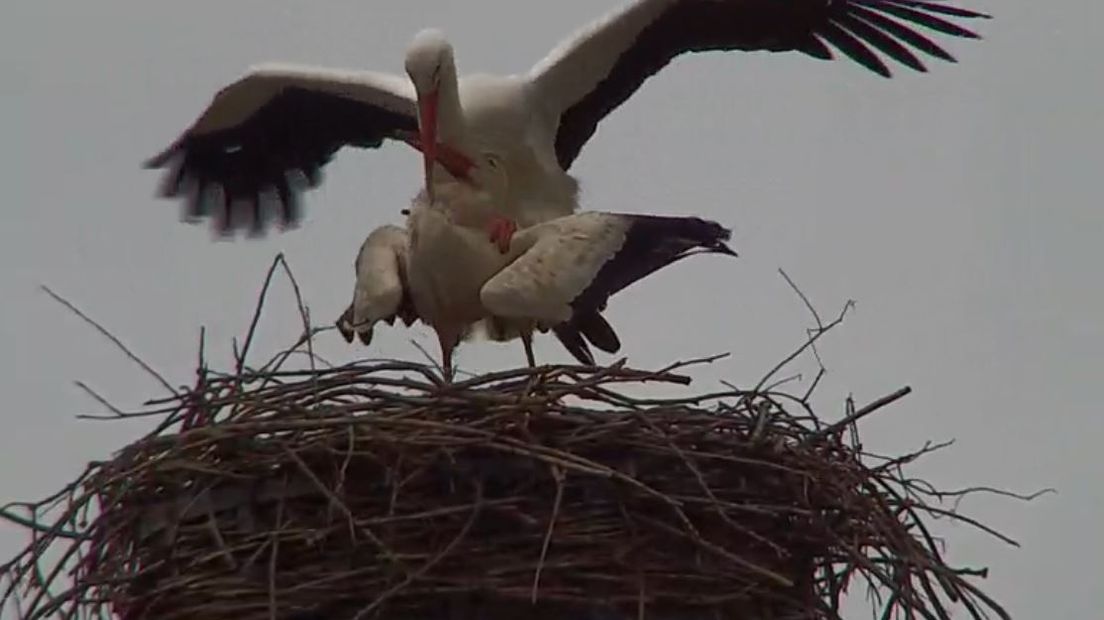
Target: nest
(376,489)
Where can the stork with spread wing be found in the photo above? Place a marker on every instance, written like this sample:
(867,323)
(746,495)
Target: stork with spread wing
(266,136)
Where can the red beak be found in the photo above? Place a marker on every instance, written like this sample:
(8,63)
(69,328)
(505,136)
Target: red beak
(427,133)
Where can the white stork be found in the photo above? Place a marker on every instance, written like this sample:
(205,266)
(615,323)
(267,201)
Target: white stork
(555,275)
(266,136)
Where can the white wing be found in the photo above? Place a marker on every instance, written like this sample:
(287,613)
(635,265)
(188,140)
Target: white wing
(569,267)
(597,69)
(576,66)
(276,123)
(380,292)
(238,101)
(558,260)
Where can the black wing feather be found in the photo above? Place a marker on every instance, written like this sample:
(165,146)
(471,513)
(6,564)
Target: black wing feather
(935,7)
(917,16)
(816,48)
(569,336)
(855,27)
(293,135)
(651,243)
(591,325)
(880,40)
(598,331)
(896,29)
(406,313)
(850,45)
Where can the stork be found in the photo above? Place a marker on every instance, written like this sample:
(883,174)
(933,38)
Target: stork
(265,137)
(432,270)
(555,275)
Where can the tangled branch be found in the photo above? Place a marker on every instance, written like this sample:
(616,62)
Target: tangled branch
(376,489)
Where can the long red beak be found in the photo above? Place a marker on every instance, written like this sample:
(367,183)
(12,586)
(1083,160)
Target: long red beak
(427,133)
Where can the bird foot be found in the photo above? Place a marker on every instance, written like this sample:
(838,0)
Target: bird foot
(502,231)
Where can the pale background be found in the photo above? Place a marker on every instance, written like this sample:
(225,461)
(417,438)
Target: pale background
(957,207)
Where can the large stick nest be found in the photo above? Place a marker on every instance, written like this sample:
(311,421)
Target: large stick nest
(375,489)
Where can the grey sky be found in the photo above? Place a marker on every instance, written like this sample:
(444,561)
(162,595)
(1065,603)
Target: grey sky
(956,207)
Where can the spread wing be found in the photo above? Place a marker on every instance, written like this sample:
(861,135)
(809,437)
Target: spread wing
(599,68)
(569,267)
(265,138)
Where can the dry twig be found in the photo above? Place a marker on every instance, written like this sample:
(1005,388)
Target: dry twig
(375,489)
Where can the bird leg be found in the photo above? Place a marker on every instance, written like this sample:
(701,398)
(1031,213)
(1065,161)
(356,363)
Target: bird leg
(446,362)
(527,342)
(448,340)
(502,231)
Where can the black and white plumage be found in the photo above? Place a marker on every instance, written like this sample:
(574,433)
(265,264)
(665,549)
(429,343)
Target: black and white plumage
(557,275)
(380,292)
(269,134)
(572,265)
(432,271)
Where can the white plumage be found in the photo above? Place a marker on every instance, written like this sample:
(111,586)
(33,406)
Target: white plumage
(276,127)
(552,263)
(380,292)
(555,275)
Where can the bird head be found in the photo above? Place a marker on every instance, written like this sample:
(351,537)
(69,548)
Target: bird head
(427,59)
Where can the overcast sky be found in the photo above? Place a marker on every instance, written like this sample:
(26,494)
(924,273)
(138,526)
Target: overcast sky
(958,207)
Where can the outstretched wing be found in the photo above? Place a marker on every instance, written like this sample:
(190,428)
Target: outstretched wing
(569,267)
(266,137)
(595,71)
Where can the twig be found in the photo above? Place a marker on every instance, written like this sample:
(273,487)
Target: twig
(558,475)
(476,509)
(804,299)
(243,354)
(861,413)
(304,312)
(350,478)
(118,413)
(809,342)
(114,340)
(32,524)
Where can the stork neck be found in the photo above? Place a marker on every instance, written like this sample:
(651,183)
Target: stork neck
(450,116)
